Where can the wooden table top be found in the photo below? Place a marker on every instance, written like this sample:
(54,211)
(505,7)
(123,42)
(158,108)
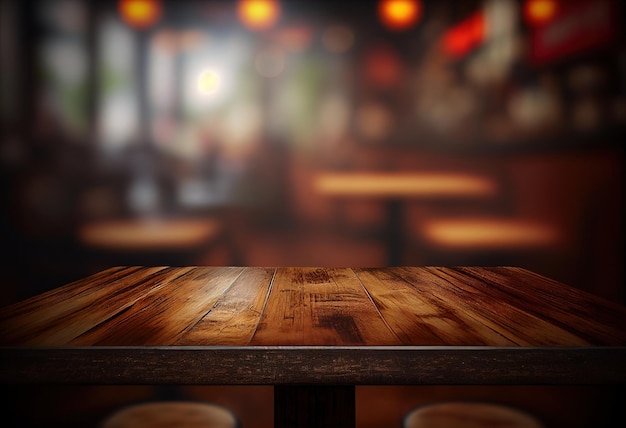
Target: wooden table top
(480,233)
(149,233)
(264,325)
(404,184)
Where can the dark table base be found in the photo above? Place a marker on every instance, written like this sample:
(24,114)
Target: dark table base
(299,406)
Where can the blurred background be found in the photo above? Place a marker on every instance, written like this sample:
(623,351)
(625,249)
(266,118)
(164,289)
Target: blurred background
(195,132)
(254,132)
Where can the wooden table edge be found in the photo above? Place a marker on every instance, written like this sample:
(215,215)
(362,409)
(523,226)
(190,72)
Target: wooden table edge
(302,365)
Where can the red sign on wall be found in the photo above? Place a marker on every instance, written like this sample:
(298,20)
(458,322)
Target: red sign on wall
(578,26)
(465,36)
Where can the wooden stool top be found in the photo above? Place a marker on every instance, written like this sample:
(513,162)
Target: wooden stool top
(469,415)
(172,414)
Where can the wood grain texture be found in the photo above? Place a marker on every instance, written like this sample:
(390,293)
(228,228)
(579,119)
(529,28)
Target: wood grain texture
(261,325)
(55,318)
(234,317)
(316,306)
(500,314)
(161,318)
(597,320)
(422,317)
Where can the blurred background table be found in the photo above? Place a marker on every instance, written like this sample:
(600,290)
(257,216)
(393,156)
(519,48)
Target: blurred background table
(150,240)
(395,188)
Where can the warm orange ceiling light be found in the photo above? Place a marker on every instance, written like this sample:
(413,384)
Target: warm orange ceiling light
(140,13)
(399,14)
(537,12)
(258,14)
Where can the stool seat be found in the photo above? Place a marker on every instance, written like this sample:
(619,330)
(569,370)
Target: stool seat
(171,414)
(469,415)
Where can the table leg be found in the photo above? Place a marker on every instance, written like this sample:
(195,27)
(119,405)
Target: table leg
(395,239)
(299,406)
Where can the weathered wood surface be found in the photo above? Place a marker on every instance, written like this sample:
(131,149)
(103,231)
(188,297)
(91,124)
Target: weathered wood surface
(247,325)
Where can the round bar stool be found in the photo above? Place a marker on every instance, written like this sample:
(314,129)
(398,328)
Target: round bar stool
(469,415)
(172,414)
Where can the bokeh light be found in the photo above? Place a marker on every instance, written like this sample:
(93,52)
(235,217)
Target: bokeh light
(208,82)
(258,14)
(399,15)
(538,12)
(140,14)
(465,36)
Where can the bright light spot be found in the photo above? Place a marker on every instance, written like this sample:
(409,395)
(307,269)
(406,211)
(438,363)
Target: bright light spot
(140,13)
(539,11)
(338,39)
(222,60)
(208,82)
(399,14)
(270,62)
(258,14)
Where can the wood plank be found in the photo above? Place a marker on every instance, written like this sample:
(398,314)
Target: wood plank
(160,318)
(318,306)
(60,315)
(69,291)
(572,309)
(236,314)
(423,318)
(497,312)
